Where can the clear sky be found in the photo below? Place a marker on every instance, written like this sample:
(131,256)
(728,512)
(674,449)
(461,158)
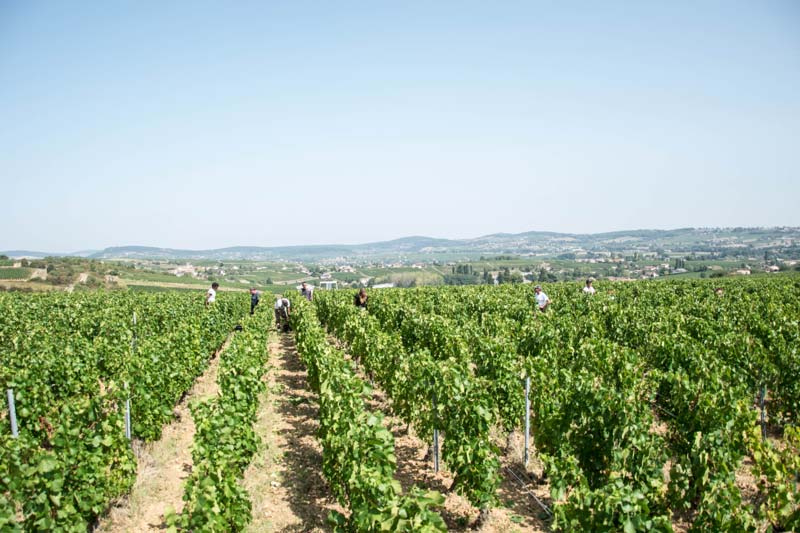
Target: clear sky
(210,124)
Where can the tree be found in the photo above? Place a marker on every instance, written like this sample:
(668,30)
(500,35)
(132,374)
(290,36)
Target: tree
(460,279)
(515,277)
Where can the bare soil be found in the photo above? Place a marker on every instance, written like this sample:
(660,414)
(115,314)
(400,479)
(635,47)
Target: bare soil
(517,510)
(284,479)
(163,466)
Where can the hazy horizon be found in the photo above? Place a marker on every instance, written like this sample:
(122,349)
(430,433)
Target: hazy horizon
(135,245)
(203,126)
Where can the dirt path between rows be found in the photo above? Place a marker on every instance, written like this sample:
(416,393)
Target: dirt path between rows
(163,466)
(517,511)
(284,478)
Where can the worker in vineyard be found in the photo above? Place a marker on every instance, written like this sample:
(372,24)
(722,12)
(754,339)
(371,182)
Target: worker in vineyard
(361,299)
(211,295)
(254,297)
(307,291)
(283,309)
(588,289)
(542,301)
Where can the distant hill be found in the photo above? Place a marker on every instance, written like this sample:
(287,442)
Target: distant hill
(540,243)
(29,253)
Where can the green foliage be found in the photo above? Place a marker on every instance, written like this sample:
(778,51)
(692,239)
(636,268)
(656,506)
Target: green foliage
(72,363)
(15,273)
(464,406)
(225,441)
(778,469)
(358,452)
(643,395)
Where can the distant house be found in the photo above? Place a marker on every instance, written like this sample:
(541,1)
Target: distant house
(185,270)
(742,272)
(328,285)
(346,268)
(326,275)
(773,268)
(680,271)
(383,286)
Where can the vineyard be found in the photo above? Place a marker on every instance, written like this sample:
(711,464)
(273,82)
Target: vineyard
(648,402)
(74,362)
(646,399)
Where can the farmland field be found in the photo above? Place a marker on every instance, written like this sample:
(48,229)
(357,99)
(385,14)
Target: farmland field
(15,273)
(655,406)
(72,361)
(645,398)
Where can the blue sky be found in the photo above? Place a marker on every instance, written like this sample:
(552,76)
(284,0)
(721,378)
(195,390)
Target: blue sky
(202,124)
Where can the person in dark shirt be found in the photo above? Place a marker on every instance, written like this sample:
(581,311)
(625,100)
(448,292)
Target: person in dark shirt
(361,299)
(307,291)
(253,300)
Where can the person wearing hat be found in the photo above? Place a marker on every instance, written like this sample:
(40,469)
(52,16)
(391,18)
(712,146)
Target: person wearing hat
(541,298)
(588,289)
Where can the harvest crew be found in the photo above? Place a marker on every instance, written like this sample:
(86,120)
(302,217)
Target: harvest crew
(211,295)
(541,298)
(361,299)
(253,300)
(588,289)
(283,308)
(307,291)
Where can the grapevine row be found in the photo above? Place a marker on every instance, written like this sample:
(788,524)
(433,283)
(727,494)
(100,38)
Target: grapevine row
(607,371)
(358,451)
(73,360)
(225,440)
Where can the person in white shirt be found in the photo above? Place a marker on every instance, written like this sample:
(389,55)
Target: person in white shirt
(283,308)
(541,298)
(588,289)
(211,295)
